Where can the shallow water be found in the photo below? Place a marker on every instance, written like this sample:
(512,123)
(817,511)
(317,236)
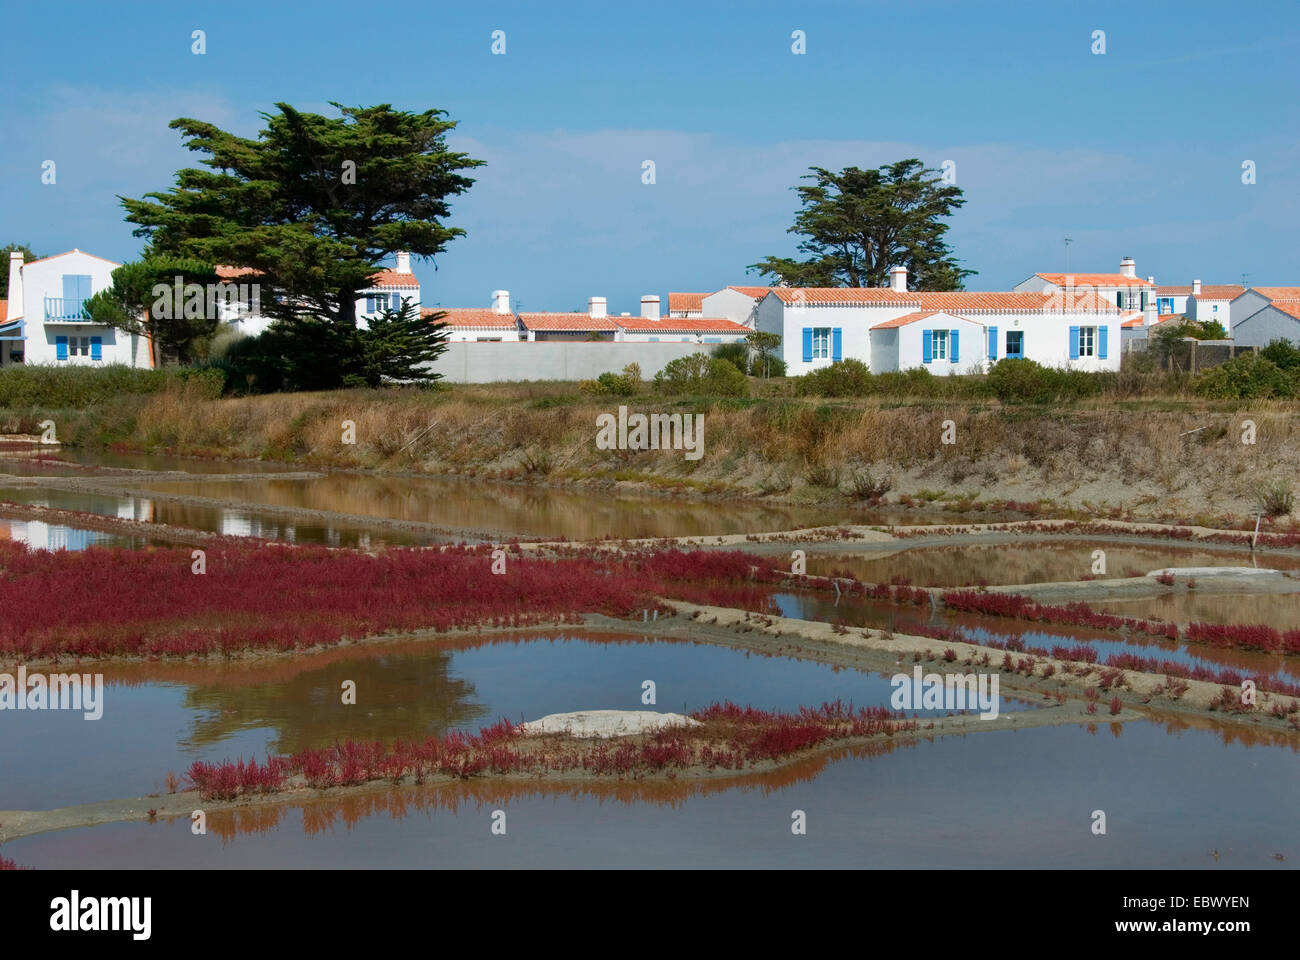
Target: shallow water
(1021,798)
(162,717)
(232,521)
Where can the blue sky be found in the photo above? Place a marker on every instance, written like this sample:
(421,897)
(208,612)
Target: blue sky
(1135,152)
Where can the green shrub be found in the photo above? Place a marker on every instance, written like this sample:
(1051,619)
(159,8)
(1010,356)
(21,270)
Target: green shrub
(847,378)
(1250,376)
(1283,354)
(1019,380)
(36,385)
(701,374)
(608,384)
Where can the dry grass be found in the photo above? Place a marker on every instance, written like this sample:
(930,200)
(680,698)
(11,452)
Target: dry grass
(1096,450)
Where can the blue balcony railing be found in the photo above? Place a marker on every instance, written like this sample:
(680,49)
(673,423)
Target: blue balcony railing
(66,308)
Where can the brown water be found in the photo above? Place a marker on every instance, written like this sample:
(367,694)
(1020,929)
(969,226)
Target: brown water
(1280,611)
(972,564)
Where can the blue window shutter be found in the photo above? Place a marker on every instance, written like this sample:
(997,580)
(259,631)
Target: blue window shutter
(993,343)
(952,344)
(61,347)
(927,346)
(807,344)
(97,348)
(837,343)
(1119,299)
(1101,341)
(1144,299)
(397,301)
(1074,343)
(70,286)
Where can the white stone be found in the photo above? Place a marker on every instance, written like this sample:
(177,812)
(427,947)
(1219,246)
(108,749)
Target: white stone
(607,723)
(1214,572)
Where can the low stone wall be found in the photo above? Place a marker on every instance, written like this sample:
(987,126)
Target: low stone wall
(492,362)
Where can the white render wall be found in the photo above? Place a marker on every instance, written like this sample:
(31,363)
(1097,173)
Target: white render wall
(1202,310)
(42,278)
(732,304)
(1046,336)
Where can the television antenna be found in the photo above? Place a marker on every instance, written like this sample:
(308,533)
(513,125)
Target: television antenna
(1068,241)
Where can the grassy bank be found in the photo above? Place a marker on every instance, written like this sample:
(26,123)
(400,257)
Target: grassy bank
(1155,455)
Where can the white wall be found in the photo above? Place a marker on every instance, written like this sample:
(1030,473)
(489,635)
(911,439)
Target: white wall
(971,345)
(44,278)
(1245,306)
(1046,336)
(1202,310)
(732,304)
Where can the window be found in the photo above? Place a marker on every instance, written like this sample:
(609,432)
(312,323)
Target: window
(1015,343)
(1087,341)
(821,343)
(941,344)
(1166,305)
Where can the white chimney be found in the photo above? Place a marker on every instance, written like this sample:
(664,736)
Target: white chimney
(1196,288)
(898,279)
(650,306)
(15,284)
(595,306)
(403,262)
(1151,281)
(1128,268)
(500,301)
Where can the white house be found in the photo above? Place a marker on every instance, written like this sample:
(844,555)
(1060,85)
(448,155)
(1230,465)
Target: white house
(892,328)
(595,324)
(45,321)
(1279,319)
(1213,302)
(473,324)
(1125,289)
(388,290)
(650,327)
(1254,300)
(686,304)
(737,304)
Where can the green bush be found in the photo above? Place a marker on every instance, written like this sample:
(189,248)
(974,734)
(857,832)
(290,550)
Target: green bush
(701,374)
(35,385)
(1283,354)
(1018,380)
(847,378)
(1250,376)
(608,384)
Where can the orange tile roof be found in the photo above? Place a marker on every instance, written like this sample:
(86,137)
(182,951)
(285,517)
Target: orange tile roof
(566,321)
(757,293)
(1136,319)
(1175,291)
(391,278)
(686,301)
(230,273)
(1290,307)
(920,315)
(478,318)
(4,310)
(971,301)
(1220,291)
(1093,279)
(681,325)
(1277,293)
